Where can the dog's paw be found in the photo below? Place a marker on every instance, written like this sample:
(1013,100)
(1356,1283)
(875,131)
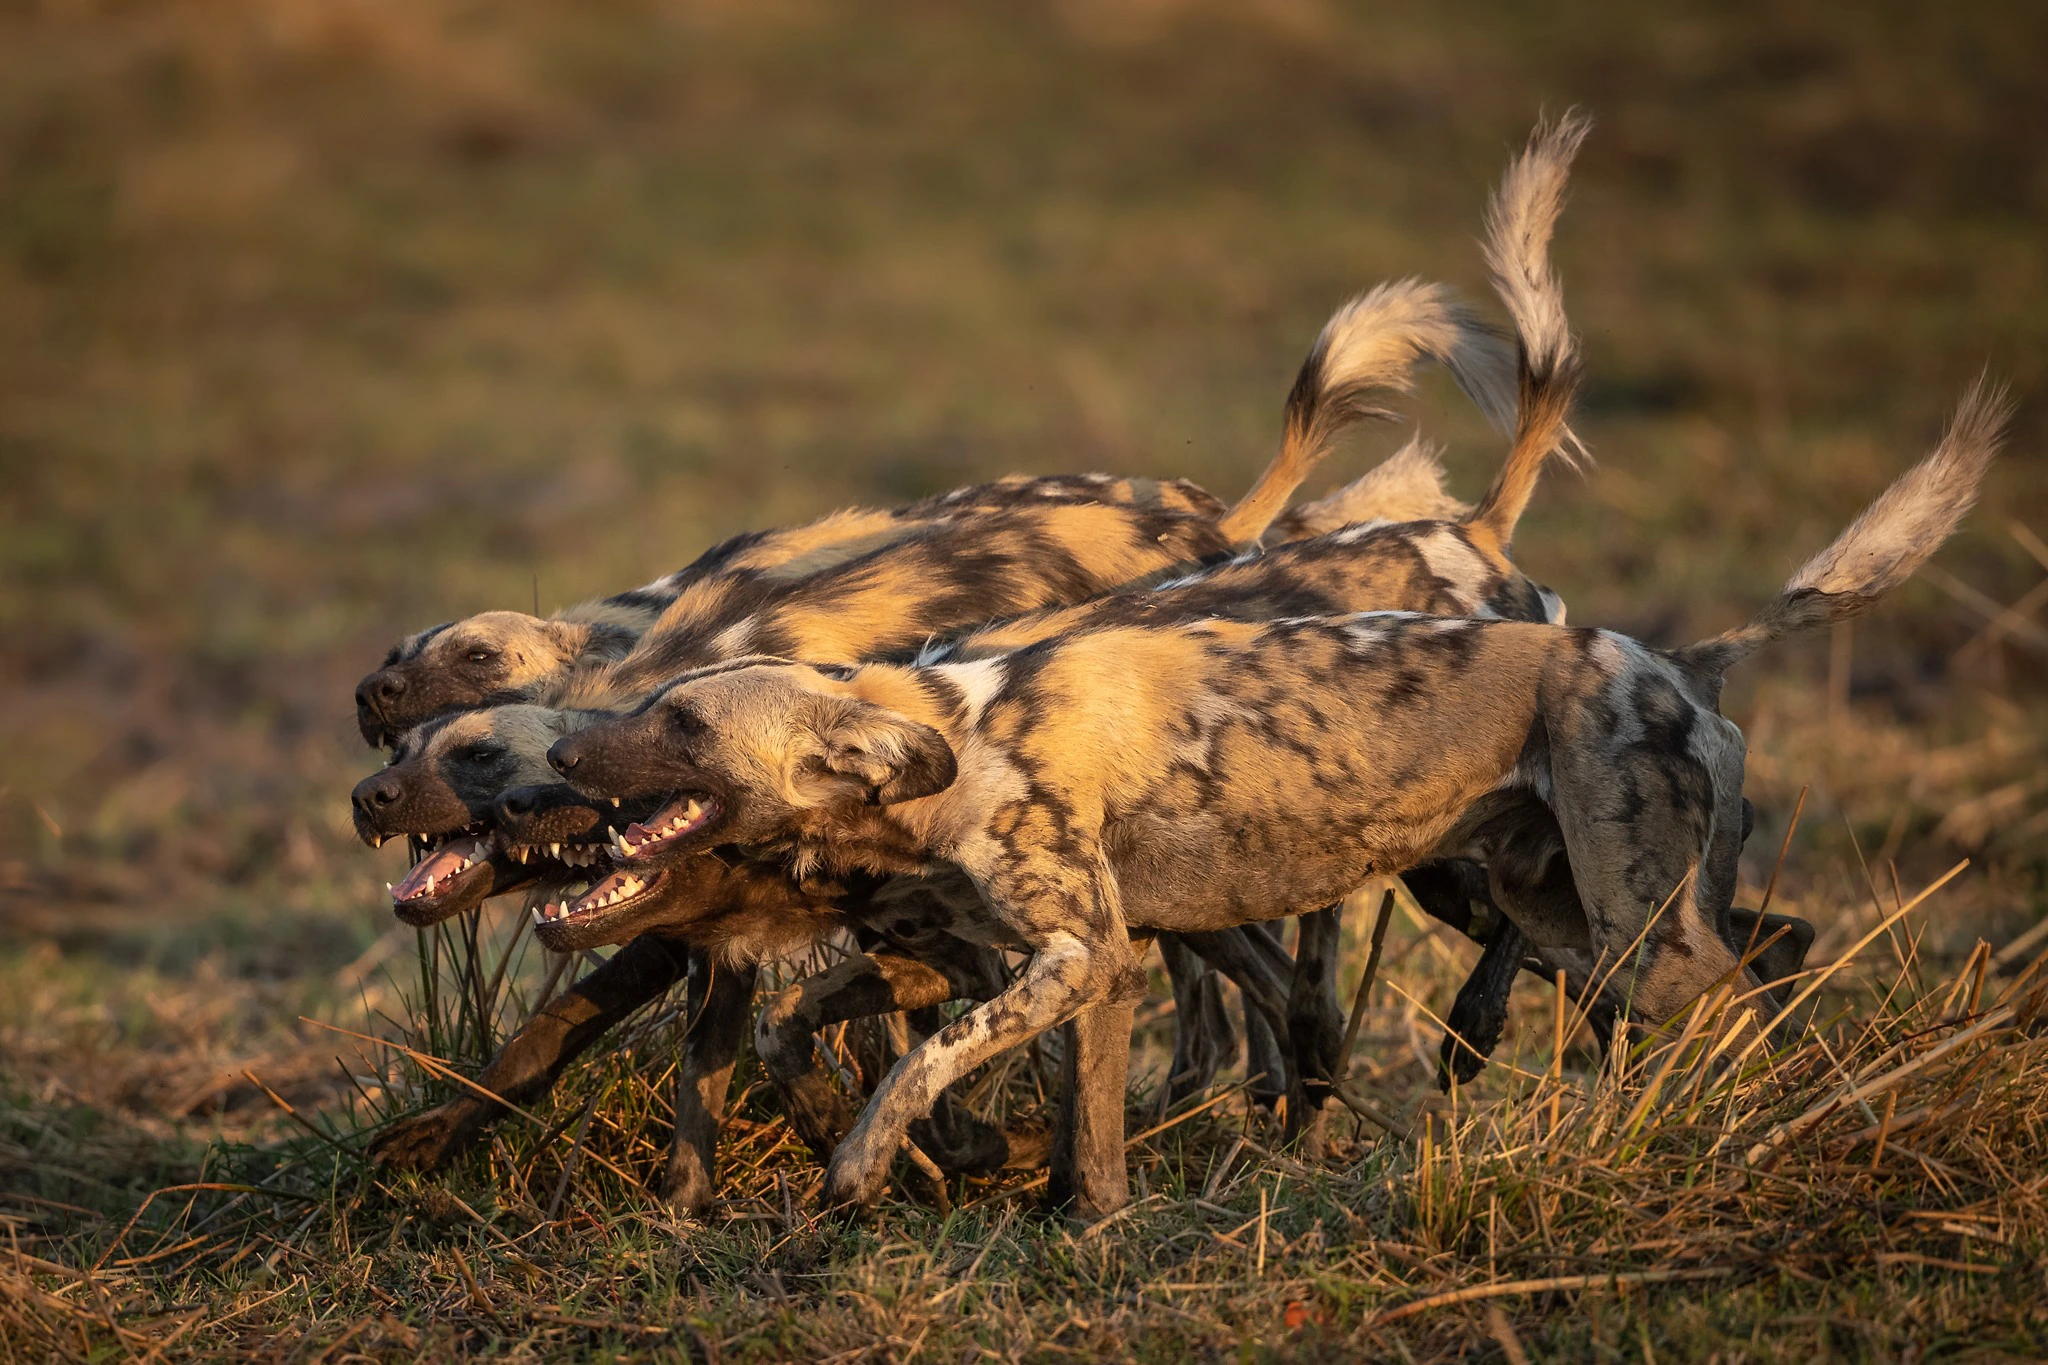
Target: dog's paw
(424,1142)
(686,1187)
(854,1186)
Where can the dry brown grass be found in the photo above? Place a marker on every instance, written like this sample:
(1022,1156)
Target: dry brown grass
(1875,1189)
(325,319)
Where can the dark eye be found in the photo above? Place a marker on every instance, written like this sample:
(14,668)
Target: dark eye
(483,753)
(687,722)
(481,656)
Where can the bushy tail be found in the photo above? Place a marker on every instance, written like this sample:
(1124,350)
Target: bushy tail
(1881,549)
(1519,222)
(1373,343)
(1406,486)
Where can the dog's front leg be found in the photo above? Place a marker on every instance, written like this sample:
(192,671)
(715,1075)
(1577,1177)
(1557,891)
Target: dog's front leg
(1203,1040)
(1089,1176)
(1068,973)
(716,1008)
(531,1060)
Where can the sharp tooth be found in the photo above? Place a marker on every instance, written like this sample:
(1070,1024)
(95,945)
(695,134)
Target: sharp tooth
(536,919)
(615,803)
(430,886)
(692,811)
(387,888)
(554,850)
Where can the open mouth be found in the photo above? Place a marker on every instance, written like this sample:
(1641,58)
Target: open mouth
(668,827)
(438,873)
(612,892)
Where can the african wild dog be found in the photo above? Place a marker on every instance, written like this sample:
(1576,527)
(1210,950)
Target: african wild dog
(1458,567)
(501,657)
(967,558)
(1194,776)
(452,773)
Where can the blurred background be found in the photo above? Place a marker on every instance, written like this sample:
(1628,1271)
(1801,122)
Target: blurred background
(325,320)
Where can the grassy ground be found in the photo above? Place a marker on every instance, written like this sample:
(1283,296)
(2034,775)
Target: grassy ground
(320,321)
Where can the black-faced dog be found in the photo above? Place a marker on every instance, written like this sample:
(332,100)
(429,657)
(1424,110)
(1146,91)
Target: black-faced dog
(1191,777)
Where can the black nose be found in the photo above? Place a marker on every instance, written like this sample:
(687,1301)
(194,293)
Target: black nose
(374,793)
(520,801)
(563,756)
(379,687)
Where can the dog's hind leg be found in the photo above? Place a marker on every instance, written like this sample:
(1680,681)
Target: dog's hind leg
(1262,972)
(717,1004)
(527,1066)
(1479,1015)
(1203,1040)
(1315,1025)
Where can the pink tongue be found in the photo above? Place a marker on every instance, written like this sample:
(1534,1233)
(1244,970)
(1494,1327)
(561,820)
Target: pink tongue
(639,834)
(439,865)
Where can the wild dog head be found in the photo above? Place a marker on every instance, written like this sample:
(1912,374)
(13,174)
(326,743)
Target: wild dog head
(493,659)
(439,792)
(755,753)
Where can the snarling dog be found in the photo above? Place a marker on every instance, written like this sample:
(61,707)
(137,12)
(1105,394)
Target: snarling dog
(1457,567)
(967,558)
(1192,777)
(452,775)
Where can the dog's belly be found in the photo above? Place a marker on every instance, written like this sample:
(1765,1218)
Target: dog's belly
(1213,871)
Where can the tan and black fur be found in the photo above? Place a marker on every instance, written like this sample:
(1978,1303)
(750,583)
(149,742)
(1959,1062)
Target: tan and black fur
(452,776)
(503,657)
(1430,567)
(1191,777)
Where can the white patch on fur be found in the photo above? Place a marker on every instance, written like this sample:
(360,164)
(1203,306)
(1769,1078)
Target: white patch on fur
(735,640)
(978,682)
(1190,579)
(1458,564)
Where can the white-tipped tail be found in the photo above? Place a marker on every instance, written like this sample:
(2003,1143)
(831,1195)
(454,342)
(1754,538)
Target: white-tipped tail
(1519,222)
(1406,486)
(1882,548)
(1374,344)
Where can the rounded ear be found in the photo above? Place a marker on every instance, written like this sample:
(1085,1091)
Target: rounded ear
(575,641)
(893,756)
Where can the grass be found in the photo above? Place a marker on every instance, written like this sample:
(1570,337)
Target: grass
(322,321)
